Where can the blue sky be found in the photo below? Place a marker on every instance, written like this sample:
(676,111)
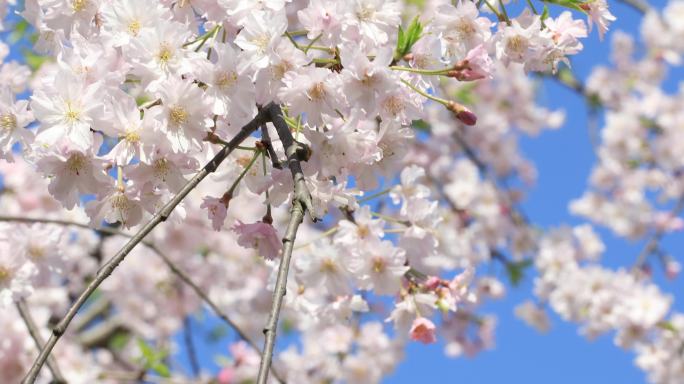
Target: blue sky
(564,159)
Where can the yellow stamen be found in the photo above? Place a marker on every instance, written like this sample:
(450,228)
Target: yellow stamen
(178,115)
(8,122)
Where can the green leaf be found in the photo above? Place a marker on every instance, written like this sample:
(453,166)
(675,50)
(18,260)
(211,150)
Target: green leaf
(153,359)
(570,4)
(217,333)
(119,340)
(161,369)
(287,326)
(545,13)
(406,39)
(146,350)
(417,3)
(18,32)
(465,94)
(420,125)
(516,270)
(666,325)
(33,60)
(401,40)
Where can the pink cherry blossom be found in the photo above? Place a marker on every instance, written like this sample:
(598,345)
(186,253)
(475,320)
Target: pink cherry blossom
(260,236)
(423,330)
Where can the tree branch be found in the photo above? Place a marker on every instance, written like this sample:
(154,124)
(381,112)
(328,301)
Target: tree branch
(293,151)
(35,335)
(301,202)
(172,266)
(296,217)
(266,140)
(190,346)
(161,216)
(639,5)
(653,242)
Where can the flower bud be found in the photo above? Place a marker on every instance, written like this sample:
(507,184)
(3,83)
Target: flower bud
(462,113)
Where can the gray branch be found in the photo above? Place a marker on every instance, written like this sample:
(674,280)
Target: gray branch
(163,214)
(35,335)
(639,5)
(301,202)
(169,263)
(296,217)
(292,150)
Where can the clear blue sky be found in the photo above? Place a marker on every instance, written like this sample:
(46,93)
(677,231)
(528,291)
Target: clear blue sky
(563,159)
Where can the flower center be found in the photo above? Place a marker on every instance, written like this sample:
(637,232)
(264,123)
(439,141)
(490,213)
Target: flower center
(121,204)
(366,13)
(178,115)
(261,42)
(465,28)
(243,161)
(328,266)
(132,136)
(76,163)
(161,168)
(394,105)
(8,122)
(378,265)
(134,27)
(165,53)
(79,5)
(317,92)
(5,274)
(281,69)
(35,251)
(362,231)
(72,115)
(517,44)
(226,79)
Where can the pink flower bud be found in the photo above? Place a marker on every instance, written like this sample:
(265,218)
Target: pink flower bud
(672,269)
(467,117)
(423,330)
(462,113)
(432,283)
(226,376)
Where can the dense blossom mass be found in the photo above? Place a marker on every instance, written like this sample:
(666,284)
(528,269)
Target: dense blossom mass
(393,124)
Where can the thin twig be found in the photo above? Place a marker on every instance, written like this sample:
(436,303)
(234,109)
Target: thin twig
(266,140)
(35,335)
(190,346)
(186,279)
(296,217)
(292,148)
(639,5)
(139,377)
(652,244)
(161,216)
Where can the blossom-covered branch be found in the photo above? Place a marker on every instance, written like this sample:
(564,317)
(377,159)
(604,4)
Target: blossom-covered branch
(161,216)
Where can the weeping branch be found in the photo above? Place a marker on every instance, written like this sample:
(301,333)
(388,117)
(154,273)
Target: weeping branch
(301,203)
(296,217)
(190,346)
(640,6)
(35,335)
(101,305)
(295,152)
(114,262)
